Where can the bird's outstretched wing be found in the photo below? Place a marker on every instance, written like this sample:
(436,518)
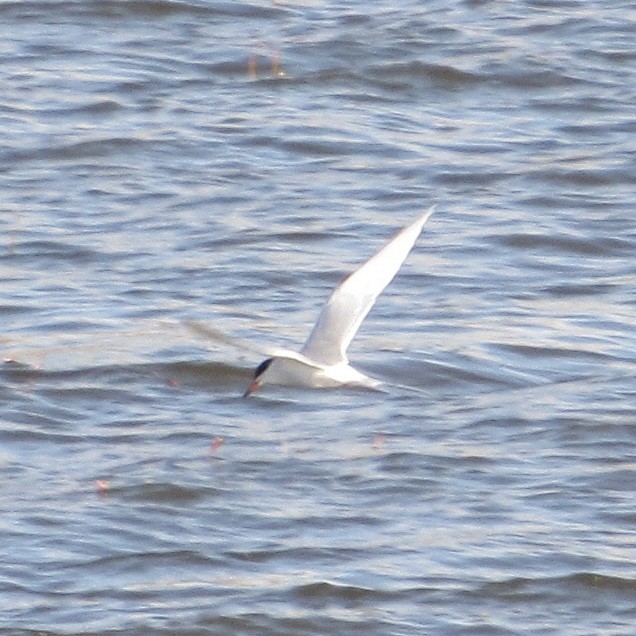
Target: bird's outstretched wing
(218,336)
(352,300)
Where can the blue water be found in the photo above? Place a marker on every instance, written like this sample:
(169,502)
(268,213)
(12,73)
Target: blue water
(229,163)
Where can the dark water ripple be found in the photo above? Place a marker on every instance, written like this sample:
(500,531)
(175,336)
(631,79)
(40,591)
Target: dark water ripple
(229,162)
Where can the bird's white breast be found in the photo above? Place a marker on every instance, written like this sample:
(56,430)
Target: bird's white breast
(290,372)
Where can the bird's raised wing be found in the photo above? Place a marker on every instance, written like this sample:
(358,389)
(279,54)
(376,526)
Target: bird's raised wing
(352,300)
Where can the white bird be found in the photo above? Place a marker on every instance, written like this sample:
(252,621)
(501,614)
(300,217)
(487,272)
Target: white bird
(323,362)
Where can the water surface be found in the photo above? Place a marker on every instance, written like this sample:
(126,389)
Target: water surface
(163,162)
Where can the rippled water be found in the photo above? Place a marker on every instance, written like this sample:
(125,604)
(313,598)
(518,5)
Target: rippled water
(229,162)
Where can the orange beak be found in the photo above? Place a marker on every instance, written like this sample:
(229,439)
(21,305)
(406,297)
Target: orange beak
(254,385)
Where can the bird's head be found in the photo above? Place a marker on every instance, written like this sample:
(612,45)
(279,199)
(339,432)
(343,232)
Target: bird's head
(257,379)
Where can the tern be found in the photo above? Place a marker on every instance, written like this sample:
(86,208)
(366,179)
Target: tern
(322,362)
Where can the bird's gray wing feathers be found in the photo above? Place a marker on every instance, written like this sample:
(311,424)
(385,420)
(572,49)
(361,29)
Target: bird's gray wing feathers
(352,300)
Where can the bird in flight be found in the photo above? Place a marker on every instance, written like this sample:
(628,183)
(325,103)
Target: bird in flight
(322,362)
